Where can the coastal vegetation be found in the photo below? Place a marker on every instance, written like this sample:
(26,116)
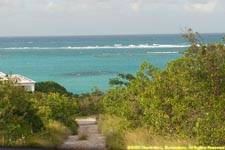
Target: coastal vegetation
(35,119)
(51,87)
(181,105)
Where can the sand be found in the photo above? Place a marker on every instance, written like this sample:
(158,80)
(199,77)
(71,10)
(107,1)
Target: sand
(88,137)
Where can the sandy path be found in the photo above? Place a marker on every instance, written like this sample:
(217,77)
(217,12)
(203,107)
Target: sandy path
(89,129)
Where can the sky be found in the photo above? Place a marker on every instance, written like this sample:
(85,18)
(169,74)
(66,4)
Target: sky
(107,17)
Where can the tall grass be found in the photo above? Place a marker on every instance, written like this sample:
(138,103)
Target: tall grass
(145,137)
(53,136)
(119,134)
(113,128)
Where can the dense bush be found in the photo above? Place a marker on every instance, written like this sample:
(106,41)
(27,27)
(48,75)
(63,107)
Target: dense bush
(24,115)
(88,103)
(51,87)
(186,99)
(57,107)
(18,118)
(54,134)
(113,128)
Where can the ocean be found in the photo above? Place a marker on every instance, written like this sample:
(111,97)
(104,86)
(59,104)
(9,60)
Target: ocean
(83,63)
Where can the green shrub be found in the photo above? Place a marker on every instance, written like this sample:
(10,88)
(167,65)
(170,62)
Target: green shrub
(57,107)
(18,118)
(24,114)
(89,103)
(185,100)
(51,87)
(210,127)
(54,135)
(114,129)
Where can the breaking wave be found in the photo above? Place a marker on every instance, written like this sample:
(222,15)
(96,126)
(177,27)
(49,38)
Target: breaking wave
(115,46)
(91,73)
(175,52)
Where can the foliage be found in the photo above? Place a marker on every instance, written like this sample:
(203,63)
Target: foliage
(121,79)
(113,128)
(18,117)
(89,103)
(54,134)
(143,136)
(51,87)
(185,100)
(57,107)
(210,127)
(27,117)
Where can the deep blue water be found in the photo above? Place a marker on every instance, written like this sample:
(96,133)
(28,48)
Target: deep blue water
(80,63)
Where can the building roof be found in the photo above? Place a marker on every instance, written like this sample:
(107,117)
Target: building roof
(3,76)
(19,78)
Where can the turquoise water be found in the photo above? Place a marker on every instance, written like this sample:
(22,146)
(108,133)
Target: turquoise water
(80,63)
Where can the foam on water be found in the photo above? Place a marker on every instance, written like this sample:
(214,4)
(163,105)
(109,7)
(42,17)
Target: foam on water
(115,46)
(175,52)
(91,73)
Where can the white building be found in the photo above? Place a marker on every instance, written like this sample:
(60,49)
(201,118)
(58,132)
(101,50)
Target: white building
(19,80)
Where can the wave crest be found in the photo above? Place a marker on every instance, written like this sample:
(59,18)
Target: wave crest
(115,46)
(174,52)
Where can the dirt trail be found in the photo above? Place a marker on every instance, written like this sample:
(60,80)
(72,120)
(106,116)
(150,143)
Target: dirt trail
(88,137)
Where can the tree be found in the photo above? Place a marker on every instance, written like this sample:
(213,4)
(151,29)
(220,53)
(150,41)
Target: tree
(121,79)
(51,87)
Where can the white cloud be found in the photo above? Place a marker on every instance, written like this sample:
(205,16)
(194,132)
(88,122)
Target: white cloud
(135,5)
(108,16)
(68,6)
(207,6)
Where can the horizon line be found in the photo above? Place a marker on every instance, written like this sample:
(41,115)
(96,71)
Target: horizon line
(12,36)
